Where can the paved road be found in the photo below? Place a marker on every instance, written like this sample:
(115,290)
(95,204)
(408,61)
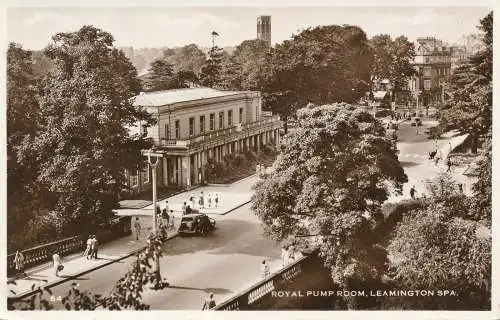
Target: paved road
(414,158)
(222,263)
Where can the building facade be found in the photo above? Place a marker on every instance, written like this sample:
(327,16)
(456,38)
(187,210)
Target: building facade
(197,124)
(264,29)
(432,63)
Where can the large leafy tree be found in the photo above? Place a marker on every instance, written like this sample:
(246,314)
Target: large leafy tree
(23,191)
(434,250)
(392,60)
(470,107)
(211,72)
(186,58)
(160,76)
(319,65)
(250,55)
(328,183)
(82,142)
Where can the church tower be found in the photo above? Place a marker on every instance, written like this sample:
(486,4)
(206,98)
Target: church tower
(264,29)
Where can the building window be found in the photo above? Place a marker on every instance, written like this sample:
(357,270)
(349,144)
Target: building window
(177,129)
(221,119)
(427,72)
(241,115)
(230,118)
(191,126)
(202,124)
(134,179)
(212,121)
(427,84)
(167,132)
(146,174)
(144,130)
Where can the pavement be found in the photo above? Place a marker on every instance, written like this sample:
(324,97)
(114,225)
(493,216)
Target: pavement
(233,196)
(414,148)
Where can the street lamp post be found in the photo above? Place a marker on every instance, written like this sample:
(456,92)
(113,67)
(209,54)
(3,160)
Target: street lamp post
(149,153)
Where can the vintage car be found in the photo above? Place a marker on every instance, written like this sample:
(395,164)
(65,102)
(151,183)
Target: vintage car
(196,223)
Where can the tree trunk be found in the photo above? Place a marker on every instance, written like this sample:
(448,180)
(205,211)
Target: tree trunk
(473,143)
(285,124)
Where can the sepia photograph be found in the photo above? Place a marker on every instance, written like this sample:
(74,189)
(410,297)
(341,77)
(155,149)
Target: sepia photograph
(231,158)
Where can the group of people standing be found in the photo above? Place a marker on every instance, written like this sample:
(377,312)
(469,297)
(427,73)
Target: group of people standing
(92,247)
(205,201)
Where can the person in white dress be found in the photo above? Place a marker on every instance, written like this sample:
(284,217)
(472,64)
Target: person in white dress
(57,263)
(264,269)
(284,256)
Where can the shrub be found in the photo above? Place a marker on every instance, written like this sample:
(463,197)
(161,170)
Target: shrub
(268,149)
(214,169)
(383,113)
(250,155)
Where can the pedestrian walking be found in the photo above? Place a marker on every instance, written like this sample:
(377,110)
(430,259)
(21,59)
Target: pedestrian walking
(264,270)
(88,249)
(171,218)
(209,302)
(191,199)
(449,164)
(19,262)
(209,200)
(137,227)
(460,188)
(217,199)
(95,247)
(284,256)
(412,192)
(167,206)
(202,200)
(291,254)
(165,216)
(58,267)
(184,206)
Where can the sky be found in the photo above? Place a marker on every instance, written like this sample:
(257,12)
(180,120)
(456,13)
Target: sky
(140,27)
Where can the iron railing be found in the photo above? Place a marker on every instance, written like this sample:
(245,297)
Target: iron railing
(210,135)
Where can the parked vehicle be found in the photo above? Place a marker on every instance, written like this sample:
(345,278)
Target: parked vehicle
(416,122)
(196,223)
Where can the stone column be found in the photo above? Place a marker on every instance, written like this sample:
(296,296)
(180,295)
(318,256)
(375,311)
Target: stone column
(203,161)
(195,170)
(165,171)
(186,170)
(258,142)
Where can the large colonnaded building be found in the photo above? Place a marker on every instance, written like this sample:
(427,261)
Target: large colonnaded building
(196,124)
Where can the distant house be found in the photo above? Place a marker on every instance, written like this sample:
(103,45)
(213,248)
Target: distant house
(382,99)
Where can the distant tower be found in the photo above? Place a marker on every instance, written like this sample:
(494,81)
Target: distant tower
(264,29)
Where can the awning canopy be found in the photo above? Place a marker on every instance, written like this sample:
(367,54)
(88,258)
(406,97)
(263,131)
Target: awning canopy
(133,212)
(379,94)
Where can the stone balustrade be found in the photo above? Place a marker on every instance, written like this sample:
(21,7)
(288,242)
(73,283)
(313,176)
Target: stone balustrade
(263,289)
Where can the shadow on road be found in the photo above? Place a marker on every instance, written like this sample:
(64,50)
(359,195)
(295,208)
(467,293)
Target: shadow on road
(207,290)
(406,164)
(230,237)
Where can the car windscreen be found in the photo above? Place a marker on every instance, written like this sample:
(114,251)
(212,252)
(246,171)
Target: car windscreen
(187,219)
